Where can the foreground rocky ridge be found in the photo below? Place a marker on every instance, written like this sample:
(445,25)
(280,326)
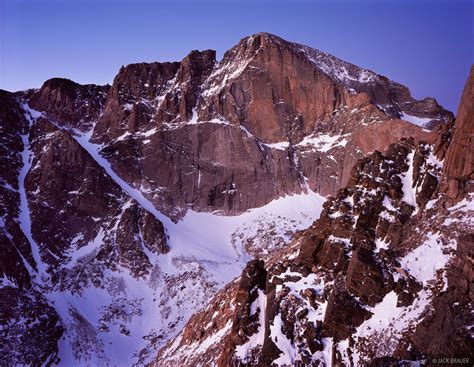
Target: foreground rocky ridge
(96,265)
(385,275)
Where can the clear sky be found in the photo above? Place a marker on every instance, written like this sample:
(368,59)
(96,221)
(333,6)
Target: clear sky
(425,44)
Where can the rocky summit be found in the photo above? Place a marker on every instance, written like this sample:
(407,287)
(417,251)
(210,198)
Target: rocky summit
(278,207)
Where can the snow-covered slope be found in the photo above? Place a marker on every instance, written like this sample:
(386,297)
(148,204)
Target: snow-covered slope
(109,315)
(114,322)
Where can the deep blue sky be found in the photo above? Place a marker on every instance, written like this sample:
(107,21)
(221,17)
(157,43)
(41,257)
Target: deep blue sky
(424,44)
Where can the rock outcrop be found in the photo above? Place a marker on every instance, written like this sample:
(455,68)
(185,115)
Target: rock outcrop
(71,104)
(459,165)
(16,252)
(64,175)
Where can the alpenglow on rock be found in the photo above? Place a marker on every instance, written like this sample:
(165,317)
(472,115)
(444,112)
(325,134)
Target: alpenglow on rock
(234,134)
(126,209)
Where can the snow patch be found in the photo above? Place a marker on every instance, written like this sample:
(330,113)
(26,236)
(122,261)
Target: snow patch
(338,69)
(128,106)
(323,142)
(24,213)
(282,145)
(257,339)
(409,194)
(415,120)
(465,205)
(288,356)
(423,262)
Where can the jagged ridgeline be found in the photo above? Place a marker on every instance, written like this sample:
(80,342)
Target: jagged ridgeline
(128,213)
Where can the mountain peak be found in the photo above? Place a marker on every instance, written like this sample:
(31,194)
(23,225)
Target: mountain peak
(94,182)
(334,67)
(266,37)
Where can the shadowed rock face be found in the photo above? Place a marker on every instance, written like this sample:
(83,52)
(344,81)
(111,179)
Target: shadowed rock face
(384,275)
(63,175)
(133,84)
(14,245)
(30,327)
(55,200)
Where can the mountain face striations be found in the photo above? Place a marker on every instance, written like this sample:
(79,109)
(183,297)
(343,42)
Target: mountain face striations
(277,207)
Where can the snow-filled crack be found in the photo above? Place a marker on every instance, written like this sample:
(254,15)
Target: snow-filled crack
(24,214)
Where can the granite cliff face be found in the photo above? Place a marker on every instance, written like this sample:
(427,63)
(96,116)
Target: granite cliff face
(383,277)
(126,208)
(235,134)
(460,156)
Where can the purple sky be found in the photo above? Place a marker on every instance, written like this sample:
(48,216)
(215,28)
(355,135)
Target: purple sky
(425,44)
